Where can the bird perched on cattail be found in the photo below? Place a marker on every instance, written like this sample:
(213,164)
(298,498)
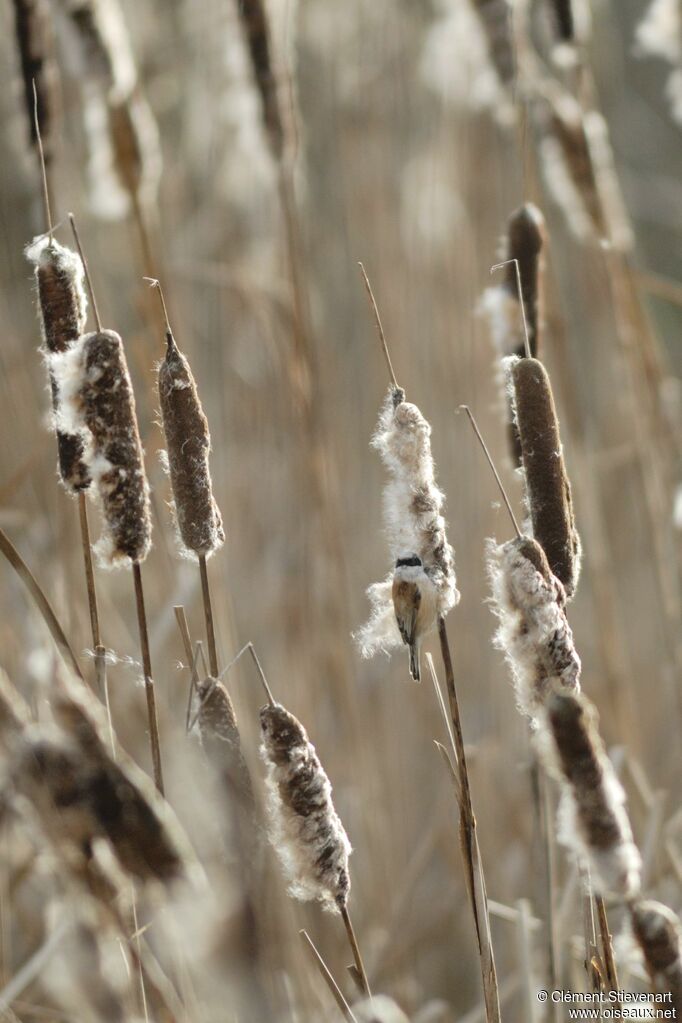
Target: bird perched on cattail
(422,585)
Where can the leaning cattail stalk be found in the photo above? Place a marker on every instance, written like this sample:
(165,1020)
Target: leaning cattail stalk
(592,816)
(34,44)
(533,632)
(548,489)
(413,506)
(515,320)
(659,935)
(63,312)
(97,401)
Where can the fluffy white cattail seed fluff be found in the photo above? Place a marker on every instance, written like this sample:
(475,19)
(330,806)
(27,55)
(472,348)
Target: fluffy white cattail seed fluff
(413,517)
(659,34)
(304,828)
(533,633)
(592,819)
(659,935)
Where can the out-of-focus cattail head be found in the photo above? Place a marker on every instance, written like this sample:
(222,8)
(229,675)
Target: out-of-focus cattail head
(378,1009)
(256,25)
(304,828)
(659,935)
(496,19)
(593,819)
(548,489)
(34,44)
(562,12)
(63,313)
(533,633)
(220,739)
(97,398)
(135,148)
(188,444)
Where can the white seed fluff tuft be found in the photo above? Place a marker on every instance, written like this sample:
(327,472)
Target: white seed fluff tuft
(304,828)
(533,633)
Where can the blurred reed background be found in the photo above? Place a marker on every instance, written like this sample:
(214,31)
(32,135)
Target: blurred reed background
(398,153)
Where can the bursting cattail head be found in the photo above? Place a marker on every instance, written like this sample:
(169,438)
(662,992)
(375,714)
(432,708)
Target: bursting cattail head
(659,935)
(548,489)
(188,444)
(593,819)
(533,633)
(304,827)
(220,739)
(97,399)
(413,517)
(63,313)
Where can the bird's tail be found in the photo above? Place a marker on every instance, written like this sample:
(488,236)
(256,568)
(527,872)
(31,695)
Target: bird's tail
(415,671)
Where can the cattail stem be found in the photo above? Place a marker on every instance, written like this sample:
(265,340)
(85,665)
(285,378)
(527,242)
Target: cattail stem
(488,456)
(380,329)
(266,687)
(607,945)
(88,279)
(329,980)
(355,949)
(475,885)
(148,680)
(100,652)
(208,616)
(517,269)
(43,169)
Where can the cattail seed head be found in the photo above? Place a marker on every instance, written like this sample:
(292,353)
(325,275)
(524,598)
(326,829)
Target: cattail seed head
(533,633)
(34,40)
(255,22)
(562,11)
(220,739)
(594,822)
(188,444)
(413,516)
(305,829)
(63,313)
(495,17)
(548,488)
(659,935)
(97,398)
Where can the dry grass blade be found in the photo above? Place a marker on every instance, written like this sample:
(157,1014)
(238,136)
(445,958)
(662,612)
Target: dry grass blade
(328,979)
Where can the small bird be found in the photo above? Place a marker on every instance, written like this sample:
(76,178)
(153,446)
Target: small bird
(414,600)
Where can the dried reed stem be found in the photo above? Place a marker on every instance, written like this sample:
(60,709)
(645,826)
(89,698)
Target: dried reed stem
(607,945)
(148,680)
(475,880)
(12,555)
(328,979)
(380,329)
(355,948)
(208,617)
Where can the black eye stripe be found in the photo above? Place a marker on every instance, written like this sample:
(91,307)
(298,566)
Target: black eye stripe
(411,562)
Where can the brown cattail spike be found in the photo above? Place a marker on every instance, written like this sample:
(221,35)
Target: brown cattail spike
(562,11)
(63,311)
(595,822)
(305,829)
(525,241)
(188,444)
(254,17)
(547,484)
(659,935)
(97,398)
(34,38)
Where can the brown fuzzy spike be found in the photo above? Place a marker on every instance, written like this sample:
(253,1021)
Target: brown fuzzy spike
(595,822)
(256,26)
(562,11)
(34,38)
(547,484)
(188,444)
(220,738)
(305,829)
(97,398)
(63,312)
(659,934)
(525,241)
